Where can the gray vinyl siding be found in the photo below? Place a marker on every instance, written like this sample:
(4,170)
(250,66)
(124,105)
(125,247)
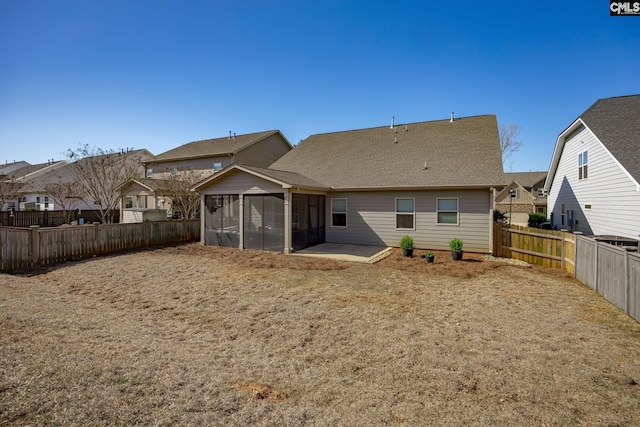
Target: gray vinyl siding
(162,170)
(371,219)
(242,183)
(613,195)
(263,153)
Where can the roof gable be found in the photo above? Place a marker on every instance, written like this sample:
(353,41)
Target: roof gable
(616,123)
(462,153)
(282,178)
(216,146)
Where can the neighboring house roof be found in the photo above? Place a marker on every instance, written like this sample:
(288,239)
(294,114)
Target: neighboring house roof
(63,174)
(214,147)
(616,124)
(526,179)
(8,168)
(31,170)
(460,153)
(150,184)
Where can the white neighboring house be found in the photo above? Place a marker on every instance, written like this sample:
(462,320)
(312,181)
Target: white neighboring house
(19,177)
(594,176)
(34,194)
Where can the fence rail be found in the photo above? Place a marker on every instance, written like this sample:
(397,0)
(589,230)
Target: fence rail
(555,249)
(49,218)
(23,248)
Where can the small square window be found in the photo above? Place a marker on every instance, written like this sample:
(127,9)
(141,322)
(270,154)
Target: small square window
(217,166)
(149,173)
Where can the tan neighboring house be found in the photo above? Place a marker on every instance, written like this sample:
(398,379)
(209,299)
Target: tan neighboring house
(431,180)
(523,195)
(195,161)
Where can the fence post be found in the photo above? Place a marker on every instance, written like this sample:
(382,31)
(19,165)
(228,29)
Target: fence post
(146,233)
(34,244)
(595,268)
(96,238)
(627,284)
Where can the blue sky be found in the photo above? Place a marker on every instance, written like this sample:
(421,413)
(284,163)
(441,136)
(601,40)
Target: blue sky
(158,74)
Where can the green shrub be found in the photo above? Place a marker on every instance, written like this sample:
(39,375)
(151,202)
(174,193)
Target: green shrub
(455,245)
(535,219)
(406,242)
(499,216)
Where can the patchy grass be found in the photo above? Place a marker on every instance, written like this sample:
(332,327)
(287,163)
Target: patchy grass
(193,335)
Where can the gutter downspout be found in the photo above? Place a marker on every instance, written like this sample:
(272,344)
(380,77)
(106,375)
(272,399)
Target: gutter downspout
(492,193)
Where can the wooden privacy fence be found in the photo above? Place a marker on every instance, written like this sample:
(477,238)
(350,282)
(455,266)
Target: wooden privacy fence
(611,271)
(21,248)
(49,218)
(548,248)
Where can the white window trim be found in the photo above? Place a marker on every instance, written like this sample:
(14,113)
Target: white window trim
(584,166)
(346,209)
(457,211)
(405,213)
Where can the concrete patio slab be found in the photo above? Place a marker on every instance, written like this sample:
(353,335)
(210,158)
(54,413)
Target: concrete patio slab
(342,252)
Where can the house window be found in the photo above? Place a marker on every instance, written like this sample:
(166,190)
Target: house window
(217,166)
(338,212)
(46,202)
(149,173)
(562,215)
(174,172)
(587,207)
(128,204)
(405,214)
(582,165)
(447,211)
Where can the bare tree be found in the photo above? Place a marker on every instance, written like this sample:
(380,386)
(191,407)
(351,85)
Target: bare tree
(66,195)
(100,172)
(509,142)
(9,190)
(183,200)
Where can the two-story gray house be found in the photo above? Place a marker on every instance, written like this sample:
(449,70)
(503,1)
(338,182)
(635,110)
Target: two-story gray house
(195,161)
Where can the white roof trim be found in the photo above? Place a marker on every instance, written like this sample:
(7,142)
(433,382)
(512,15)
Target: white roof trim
(220,174)
(557,153)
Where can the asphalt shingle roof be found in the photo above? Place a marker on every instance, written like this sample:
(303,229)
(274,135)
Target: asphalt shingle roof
(616,123)
(291,178)
(462,153)
(213,147)
(526,179)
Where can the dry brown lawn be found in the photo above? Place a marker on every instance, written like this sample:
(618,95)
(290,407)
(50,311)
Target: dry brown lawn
(193,335)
